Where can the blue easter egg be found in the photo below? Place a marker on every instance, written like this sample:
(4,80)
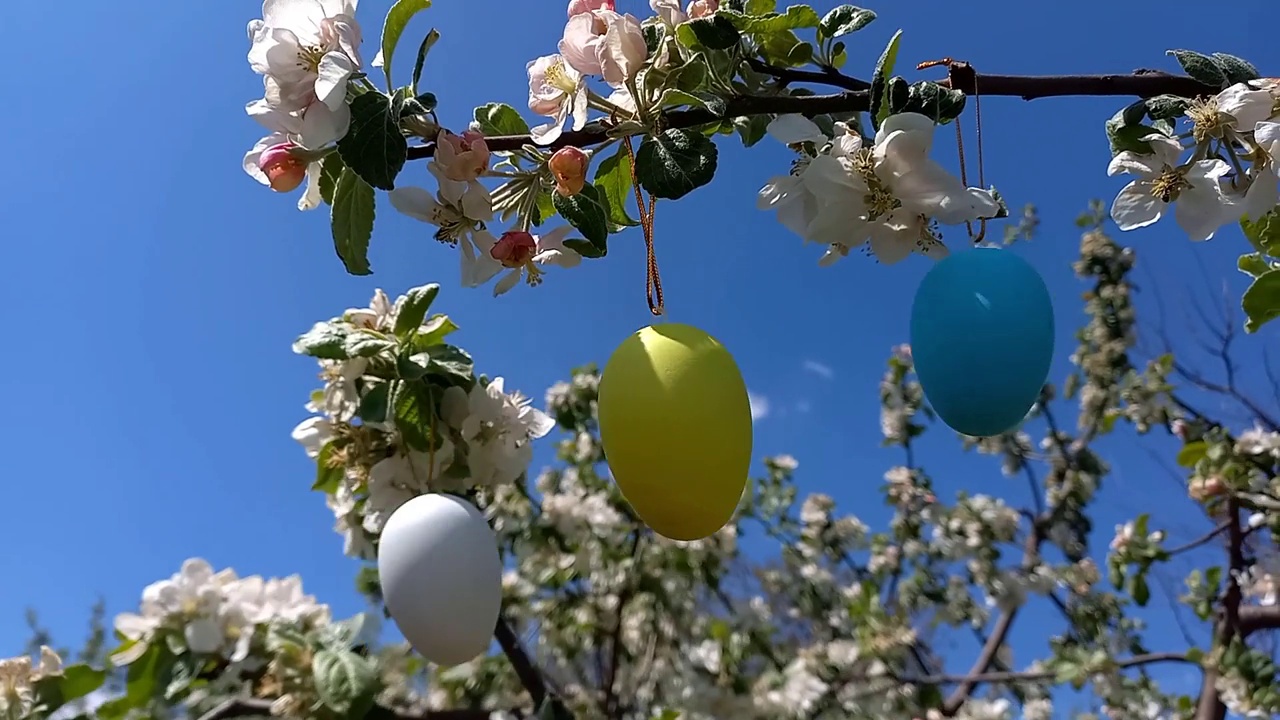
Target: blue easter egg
(982,339)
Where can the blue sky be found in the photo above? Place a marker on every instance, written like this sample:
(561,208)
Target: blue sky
(152,423)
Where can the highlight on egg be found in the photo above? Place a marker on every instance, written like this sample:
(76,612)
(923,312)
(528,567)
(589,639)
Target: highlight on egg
(441,577)
(982,339)
(675,423)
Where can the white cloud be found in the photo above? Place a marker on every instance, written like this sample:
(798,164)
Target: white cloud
(820,369)
(759,406)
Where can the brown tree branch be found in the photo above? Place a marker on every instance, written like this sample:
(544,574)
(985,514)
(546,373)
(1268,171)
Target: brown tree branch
(528,673)
(1015,676)
(1027,87)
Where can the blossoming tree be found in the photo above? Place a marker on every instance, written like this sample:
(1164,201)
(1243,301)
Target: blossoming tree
(602,618)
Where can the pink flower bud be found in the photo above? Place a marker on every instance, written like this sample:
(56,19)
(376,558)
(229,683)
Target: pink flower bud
(569,166)
(577,7)
(514,249)
(284,171)
(702,8)
(464,157)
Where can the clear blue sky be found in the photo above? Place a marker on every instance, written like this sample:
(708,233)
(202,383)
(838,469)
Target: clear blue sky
(151,423)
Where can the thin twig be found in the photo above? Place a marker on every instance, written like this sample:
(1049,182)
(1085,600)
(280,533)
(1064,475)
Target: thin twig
(247,707)
(529,676)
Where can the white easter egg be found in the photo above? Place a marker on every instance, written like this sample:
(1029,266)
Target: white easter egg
(441,577)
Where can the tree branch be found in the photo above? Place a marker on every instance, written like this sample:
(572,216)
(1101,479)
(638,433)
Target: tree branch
(520,662)
(1028,87)
(1029,676)
(1202,540)
(968,683)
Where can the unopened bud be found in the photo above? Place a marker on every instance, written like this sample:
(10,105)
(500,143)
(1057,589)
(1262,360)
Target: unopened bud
(514,249)
(702,8)
(284,171)
(569,166)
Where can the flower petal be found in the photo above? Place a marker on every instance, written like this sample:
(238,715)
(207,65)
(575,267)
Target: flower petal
(1135,206)
(415,202)
(792,129)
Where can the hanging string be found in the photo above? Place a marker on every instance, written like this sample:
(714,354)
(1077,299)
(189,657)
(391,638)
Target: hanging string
(954,70)
(653,281)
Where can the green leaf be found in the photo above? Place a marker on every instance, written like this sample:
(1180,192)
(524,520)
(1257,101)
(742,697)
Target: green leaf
(707,101)
(613,182)
(585,249)
(1200,67)
(414,409)
(713,33)
(373,406)
(140,680)
(374,147)
(675,163)
(346,682)
(760,7)
(330,170)
(1253,264)
(1195,655)
(393,27)
(325,341)
(352,221)
(433,332)
(1125,136)
(367,343)
(433,36)
(75,681)
(880,80)
(414,309)
(1236,69)
(796,17)
(1138,589)
(1164,107)
(343,634)
(500,119)
(328,475)
(453,363)
(845,19)
(585,212)
(116,709)
(1264,233)
(1191,453)
(751,129)
(932,100)
(785,49)
(1261,302)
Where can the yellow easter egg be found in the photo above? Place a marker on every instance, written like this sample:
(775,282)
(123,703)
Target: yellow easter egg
(675,423)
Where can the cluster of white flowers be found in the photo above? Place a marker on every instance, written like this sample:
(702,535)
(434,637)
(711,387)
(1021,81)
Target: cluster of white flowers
(1206,191)
(18,677)
(888,197)
(484,436)
(211,612)
(306,53)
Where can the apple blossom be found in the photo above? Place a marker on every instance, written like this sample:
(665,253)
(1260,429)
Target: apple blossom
(311,129)
(669,11)
(284,171)
(455,209)
(623,50)
(557,91)
(461,158)
(789,194)
(1237,109)
(583,37)
(1263,192)
(577,7)
(307,50)
(702,8)
(521,253)
(569,167)
(1161,180)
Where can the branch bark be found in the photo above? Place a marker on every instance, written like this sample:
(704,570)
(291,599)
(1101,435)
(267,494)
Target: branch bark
(528,673)
(1141,84)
